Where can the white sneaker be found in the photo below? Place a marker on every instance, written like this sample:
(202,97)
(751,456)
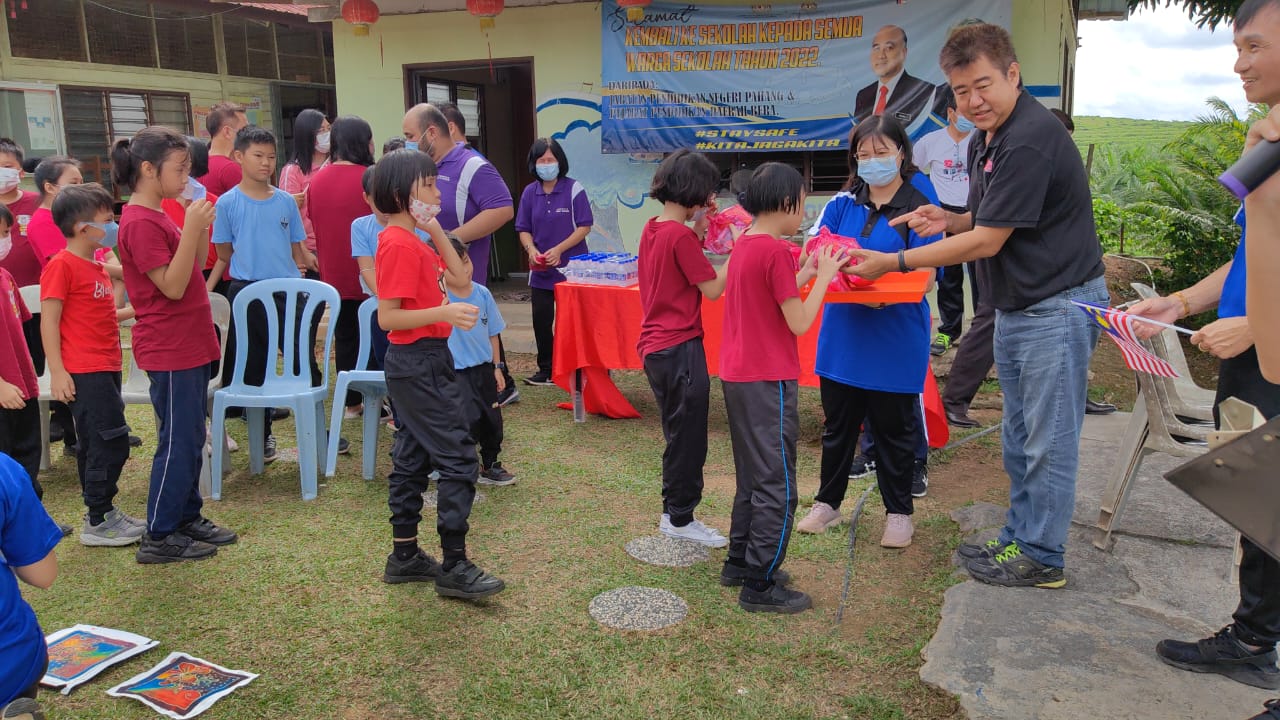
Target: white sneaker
(353,412)
(232,445)
(821,516)
(695,531)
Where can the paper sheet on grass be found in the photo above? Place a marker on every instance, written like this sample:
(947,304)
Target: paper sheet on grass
(182,686)
(78,653)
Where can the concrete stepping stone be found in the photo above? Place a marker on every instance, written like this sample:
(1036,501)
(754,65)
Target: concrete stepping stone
(638,608)
(667,551)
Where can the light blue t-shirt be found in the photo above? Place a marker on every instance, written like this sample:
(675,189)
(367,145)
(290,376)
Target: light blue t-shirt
(364,240)
(261,232)
(473,347)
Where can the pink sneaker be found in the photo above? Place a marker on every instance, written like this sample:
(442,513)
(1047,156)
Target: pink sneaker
(821,516)
(897,531)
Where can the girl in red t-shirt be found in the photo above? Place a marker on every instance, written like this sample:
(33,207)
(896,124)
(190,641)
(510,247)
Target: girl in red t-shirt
(434,434)
(173,338)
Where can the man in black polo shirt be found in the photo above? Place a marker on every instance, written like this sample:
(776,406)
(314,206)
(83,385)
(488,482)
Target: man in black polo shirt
(1031,229)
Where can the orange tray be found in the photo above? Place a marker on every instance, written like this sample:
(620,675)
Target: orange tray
(890,288)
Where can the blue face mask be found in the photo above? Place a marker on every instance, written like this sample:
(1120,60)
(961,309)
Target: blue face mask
(194,190)
(111,229)
(964,124)
(410,145)
(878,171)
(547,171)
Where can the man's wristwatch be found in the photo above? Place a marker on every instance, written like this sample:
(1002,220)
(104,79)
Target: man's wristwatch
(500,365)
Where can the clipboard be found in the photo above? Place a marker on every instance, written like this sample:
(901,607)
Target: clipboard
(1240,482)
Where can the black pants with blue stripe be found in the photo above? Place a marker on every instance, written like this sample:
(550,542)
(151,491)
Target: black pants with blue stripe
(763,426)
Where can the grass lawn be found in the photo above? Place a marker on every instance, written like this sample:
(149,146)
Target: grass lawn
(300,600)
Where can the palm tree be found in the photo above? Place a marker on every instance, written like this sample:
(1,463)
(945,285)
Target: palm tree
(1209,13)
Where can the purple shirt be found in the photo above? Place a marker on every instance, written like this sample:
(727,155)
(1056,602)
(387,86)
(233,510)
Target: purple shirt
(551,218)
(469,185)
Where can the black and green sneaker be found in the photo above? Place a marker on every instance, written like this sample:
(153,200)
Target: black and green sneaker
(984,551)
(1012,568)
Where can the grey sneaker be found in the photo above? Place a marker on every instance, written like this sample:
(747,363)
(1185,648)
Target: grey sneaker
(495,474)
(22,709)
(115,530)
(269,449)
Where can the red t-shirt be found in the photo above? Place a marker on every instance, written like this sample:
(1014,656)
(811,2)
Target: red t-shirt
(89,333)
(410,270)
(169,334)
(178,214)
(45,237)
(334,199)
(757,343)
(21,262)
(15,358)
(671,266)
(224,174)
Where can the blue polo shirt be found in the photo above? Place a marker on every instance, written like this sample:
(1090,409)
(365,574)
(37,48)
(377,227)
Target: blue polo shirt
(27,535)
(1232,301)
(888,349)
(261,232)
(364,240)
(472,347)
(550,218)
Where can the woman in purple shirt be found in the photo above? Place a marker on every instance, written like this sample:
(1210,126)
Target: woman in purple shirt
(553,221)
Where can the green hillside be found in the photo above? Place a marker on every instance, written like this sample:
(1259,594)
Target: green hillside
(1124,132)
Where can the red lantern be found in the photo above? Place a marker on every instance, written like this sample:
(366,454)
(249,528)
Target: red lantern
(635,8)
(360,14)
(486,10)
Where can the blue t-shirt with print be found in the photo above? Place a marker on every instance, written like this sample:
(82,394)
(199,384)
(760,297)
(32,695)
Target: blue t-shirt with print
(1232,302)
(364,240)
(875,349)
(261,232)
(27,535)
(473,347)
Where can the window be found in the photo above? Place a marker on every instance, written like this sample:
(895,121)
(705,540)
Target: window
(300,54)
(468,98)
(824,172)
(250,48)
(95,119)
(122,34)
(29,34)
(185,40)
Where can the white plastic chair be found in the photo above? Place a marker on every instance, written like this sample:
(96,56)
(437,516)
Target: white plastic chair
(372,386)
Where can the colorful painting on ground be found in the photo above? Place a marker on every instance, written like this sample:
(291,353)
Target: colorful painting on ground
(77,654)
(182,686)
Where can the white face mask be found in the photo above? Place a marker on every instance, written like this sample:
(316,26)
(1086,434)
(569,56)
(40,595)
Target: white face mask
(423,213)
(8,179)
(6,244)
(322,142)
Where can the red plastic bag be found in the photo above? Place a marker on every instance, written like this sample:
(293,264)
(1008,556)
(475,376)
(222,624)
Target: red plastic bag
(842,282)
(721,226)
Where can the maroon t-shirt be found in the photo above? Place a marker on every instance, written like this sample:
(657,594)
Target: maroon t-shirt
(169,334)
(334,200)
(15,359)
(224,174)
(671,266)
(21,262)
(757,343)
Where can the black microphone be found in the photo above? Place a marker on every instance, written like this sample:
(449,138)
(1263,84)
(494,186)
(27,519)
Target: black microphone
(1252,169)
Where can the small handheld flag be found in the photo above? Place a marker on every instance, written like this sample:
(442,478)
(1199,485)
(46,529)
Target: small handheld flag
(1119,327)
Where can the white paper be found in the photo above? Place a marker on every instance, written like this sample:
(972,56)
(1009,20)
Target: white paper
(67,684)
(223,686)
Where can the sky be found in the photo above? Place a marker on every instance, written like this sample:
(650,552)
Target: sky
(1156,65)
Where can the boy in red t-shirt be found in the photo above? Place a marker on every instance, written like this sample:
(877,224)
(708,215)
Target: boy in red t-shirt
(760,372)
(413,308)
(674,277)
(80,326)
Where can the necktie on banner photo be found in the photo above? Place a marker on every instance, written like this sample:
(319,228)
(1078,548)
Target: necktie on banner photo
(881,100)
(1119,327)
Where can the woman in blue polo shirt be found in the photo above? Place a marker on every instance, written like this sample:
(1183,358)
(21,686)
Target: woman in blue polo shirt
(553,221)
(872,360)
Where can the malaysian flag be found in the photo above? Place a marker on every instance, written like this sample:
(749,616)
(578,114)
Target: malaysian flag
(1119,327)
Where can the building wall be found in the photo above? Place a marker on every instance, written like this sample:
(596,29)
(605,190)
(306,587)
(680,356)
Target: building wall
(564,41)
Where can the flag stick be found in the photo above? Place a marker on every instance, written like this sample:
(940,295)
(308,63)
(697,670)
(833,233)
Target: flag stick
(1138,318)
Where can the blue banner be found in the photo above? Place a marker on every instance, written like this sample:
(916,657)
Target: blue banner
(767,78)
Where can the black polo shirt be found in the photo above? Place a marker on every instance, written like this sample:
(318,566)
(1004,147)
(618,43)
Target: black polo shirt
(1031,178)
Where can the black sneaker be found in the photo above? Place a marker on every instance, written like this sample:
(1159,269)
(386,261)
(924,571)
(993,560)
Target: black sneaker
(1224,654)
(495,474)
(178,547)
(542,377)
(344,447)
(22,709)
(135,441)
(204,530)
(419,568)
(71,450)
(467,581)
(777,599)
(1272,711)
(508,396)
(985,551)
(735,575)
(920,480)
(862,467)
(66,530)
(280,413)
(1012,568)
(269,454)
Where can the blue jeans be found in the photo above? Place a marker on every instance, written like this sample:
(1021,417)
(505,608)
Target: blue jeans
(181,403)
(1042,355)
